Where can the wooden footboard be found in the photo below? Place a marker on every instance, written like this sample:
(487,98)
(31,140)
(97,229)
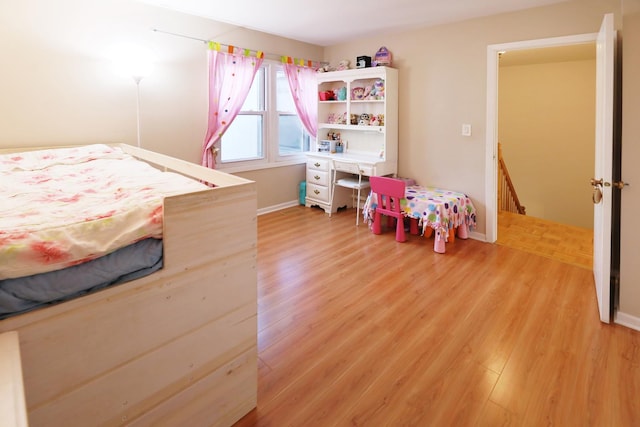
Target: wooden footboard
(178,347)
(13,412)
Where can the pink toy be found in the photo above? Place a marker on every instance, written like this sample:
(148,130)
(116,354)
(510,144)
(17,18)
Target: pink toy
(383,57)
(378,89)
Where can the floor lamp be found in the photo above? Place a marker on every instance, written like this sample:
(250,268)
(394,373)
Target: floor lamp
(137,80)
(135,62)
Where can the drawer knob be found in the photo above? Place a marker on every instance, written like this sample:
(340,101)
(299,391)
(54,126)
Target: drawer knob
(316,191)
(316,177)
(317,164)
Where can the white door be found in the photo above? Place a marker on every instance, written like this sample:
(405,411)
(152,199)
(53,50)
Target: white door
(605,47)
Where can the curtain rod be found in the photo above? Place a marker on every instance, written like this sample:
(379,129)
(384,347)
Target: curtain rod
(271,55)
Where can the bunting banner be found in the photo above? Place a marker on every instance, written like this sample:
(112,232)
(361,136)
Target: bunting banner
(232,49)
(300,62)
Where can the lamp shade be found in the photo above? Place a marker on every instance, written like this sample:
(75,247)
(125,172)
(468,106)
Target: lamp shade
(132,61)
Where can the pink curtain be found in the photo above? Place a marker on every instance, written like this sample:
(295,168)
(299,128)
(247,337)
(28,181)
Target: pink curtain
(304,88)
(230,79)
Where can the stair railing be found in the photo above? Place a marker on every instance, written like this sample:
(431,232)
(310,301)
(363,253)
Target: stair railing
(507,197)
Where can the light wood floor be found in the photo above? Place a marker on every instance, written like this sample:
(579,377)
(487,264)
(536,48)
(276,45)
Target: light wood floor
(359,330)
(570,244)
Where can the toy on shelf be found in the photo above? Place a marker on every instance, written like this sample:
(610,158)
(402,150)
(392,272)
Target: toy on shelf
(357,93)
(332,135)
(326,95)
(363,62)
(378,90)
(343,65)
(383,57)
(365,119)
(337,118)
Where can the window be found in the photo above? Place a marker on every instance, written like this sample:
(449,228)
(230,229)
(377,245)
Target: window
(243,140)
(267,131)
(292,136)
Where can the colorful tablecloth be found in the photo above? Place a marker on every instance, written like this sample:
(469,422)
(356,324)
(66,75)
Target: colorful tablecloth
(433,207)
(438,208)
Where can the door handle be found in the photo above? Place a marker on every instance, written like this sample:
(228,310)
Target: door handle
(620,184)
(596,182)
(597,195)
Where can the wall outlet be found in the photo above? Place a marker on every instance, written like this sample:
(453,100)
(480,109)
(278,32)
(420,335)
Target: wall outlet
(466,130)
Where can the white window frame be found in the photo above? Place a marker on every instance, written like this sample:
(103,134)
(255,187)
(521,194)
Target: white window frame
(270,141)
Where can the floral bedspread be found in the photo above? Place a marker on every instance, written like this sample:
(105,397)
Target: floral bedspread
(62,207)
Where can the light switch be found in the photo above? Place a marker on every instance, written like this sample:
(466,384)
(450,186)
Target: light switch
(466,130)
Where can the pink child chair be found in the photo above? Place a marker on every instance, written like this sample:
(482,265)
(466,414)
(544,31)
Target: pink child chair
(389,192)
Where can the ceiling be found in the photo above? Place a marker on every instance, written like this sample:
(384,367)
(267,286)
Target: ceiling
(329,22)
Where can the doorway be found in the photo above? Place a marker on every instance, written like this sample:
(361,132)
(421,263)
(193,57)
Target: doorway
(546,123)
(491,148)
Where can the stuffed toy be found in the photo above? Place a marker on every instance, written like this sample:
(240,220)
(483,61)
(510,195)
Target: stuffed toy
(378,86)
(343,65)
(365,119)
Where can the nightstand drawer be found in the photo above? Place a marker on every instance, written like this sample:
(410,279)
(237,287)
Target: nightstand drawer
(317,177)
(318,164)
(318,192)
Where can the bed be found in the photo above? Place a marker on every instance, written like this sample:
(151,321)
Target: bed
(176,345)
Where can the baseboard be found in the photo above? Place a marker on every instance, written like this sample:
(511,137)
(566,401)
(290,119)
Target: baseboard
(627,320)
(477,236)
(279,207)
(472,234)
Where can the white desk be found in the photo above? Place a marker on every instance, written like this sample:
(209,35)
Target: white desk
(319,170)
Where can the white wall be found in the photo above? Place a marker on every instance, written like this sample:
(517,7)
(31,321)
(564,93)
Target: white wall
(443,80)
(630,231)
(57,84)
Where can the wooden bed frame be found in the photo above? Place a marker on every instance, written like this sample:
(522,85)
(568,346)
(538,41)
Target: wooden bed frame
(178,347)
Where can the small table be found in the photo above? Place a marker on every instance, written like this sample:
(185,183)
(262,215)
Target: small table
(441,210)
(436,209)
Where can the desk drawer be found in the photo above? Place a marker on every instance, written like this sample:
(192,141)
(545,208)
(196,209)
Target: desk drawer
(368,170)
(317,192)
(317,177)
(318,164)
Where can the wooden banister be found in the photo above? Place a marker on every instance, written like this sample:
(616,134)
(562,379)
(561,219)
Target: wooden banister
(507,197)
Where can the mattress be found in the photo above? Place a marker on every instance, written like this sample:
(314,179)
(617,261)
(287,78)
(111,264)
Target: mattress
(23,294)
(64,207)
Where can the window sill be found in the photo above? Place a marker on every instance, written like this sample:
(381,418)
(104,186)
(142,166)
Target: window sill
(254,166)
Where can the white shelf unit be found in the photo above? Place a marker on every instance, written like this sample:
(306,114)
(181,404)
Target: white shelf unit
(375,147)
